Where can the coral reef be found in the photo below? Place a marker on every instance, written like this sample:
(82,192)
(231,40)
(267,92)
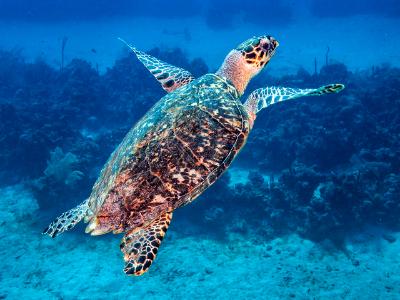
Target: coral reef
(321,167)
(59,176)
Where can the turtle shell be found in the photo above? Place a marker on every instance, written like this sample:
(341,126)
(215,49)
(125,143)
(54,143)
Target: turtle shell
(178,149)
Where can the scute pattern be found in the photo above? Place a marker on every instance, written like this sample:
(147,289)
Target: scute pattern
(178,149)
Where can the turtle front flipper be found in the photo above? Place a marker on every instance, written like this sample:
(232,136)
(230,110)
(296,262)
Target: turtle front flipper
(140,246)
(264,97)
(67,220)
(169,76)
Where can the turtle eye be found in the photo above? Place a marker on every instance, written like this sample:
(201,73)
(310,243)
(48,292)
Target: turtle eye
(269,45)
(269,48)
(266,46)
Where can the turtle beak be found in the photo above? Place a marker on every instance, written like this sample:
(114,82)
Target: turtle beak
(273,43)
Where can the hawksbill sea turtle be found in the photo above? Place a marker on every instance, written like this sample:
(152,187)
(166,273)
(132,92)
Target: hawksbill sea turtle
(177,150)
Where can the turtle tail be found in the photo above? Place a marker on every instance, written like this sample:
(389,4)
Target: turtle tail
(67,220)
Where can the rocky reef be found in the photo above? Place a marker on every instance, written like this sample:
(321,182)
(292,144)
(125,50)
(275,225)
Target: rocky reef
(320,167)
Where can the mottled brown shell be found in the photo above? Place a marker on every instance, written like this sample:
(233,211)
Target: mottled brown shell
(178,149)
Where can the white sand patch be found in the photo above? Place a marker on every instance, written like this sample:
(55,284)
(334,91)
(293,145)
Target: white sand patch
(74,266)
(17,204)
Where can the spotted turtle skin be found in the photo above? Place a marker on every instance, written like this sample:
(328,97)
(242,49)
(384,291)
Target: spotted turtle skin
(177,150)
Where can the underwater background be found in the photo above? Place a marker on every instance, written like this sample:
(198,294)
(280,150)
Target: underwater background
(310,209)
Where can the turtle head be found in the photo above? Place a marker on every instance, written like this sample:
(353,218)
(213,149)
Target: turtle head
(257,51)
(247,60)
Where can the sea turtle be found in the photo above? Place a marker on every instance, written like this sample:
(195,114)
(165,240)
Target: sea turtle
(177,150)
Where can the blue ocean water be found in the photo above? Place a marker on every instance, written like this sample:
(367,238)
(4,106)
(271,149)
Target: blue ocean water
(310,207)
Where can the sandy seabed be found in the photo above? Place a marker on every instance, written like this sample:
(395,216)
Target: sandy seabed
(76,266)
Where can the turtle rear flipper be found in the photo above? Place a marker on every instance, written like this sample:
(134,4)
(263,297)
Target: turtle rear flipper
(67,220)
(140,246)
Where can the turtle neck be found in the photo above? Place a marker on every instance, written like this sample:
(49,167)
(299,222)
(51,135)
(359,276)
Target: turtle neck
(236,70)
